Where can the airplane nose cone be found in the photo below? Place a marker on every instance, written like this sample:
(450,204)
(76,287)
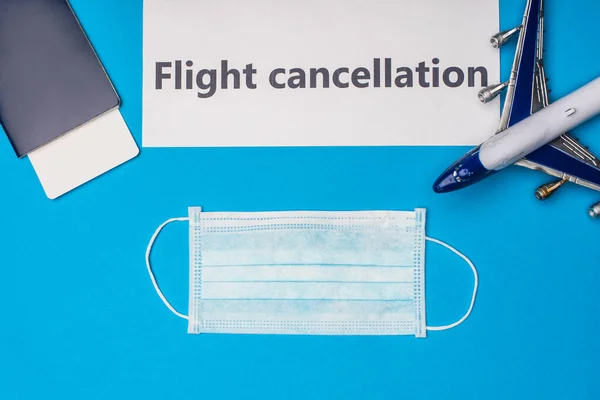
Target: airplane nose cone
(464,172)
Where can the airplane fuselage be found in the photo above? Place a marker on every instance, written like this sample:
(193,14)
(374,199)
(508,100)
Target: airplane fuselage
(521,139)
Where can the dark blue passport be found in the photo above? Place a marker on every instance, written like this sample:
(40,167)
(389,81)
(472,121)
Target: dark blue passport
(51,80)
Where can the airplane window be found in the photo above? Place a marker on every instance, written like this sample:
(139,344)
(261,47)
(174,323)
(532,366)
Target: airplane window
(463,173)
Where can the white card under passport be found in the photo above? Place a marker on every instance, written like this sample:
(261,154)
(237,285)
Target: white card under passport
(83,154)
(318,73)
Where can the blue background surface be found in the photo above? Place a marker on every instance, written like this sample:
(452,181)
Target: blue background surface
(79,318)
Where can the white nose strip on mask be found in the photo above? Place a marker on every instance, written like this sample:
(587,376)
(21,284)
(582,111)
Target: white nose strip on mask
(301,272)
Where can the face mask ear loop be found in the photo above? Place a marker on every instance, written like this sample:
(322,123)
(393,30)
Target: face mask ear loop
(460,321)
(151,273)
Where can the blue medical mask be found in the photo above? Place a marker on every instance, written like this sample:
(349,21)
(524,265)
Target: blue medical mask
(316,273)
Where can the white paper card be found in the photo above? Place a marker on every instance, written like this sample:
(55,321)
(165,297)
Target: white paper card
(318,73)
(83,154)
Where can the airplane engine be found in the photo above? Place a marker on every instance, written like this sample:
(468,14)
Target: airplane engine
(545,191)
(503,37)
(595,210)
(491,92)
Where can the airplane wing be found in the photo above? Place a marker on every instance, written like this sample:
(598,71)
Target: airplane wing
(564,158)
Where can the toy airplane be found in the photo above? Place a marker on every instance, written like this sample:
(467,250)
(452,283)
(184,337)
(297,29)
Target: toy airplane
(533,133)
